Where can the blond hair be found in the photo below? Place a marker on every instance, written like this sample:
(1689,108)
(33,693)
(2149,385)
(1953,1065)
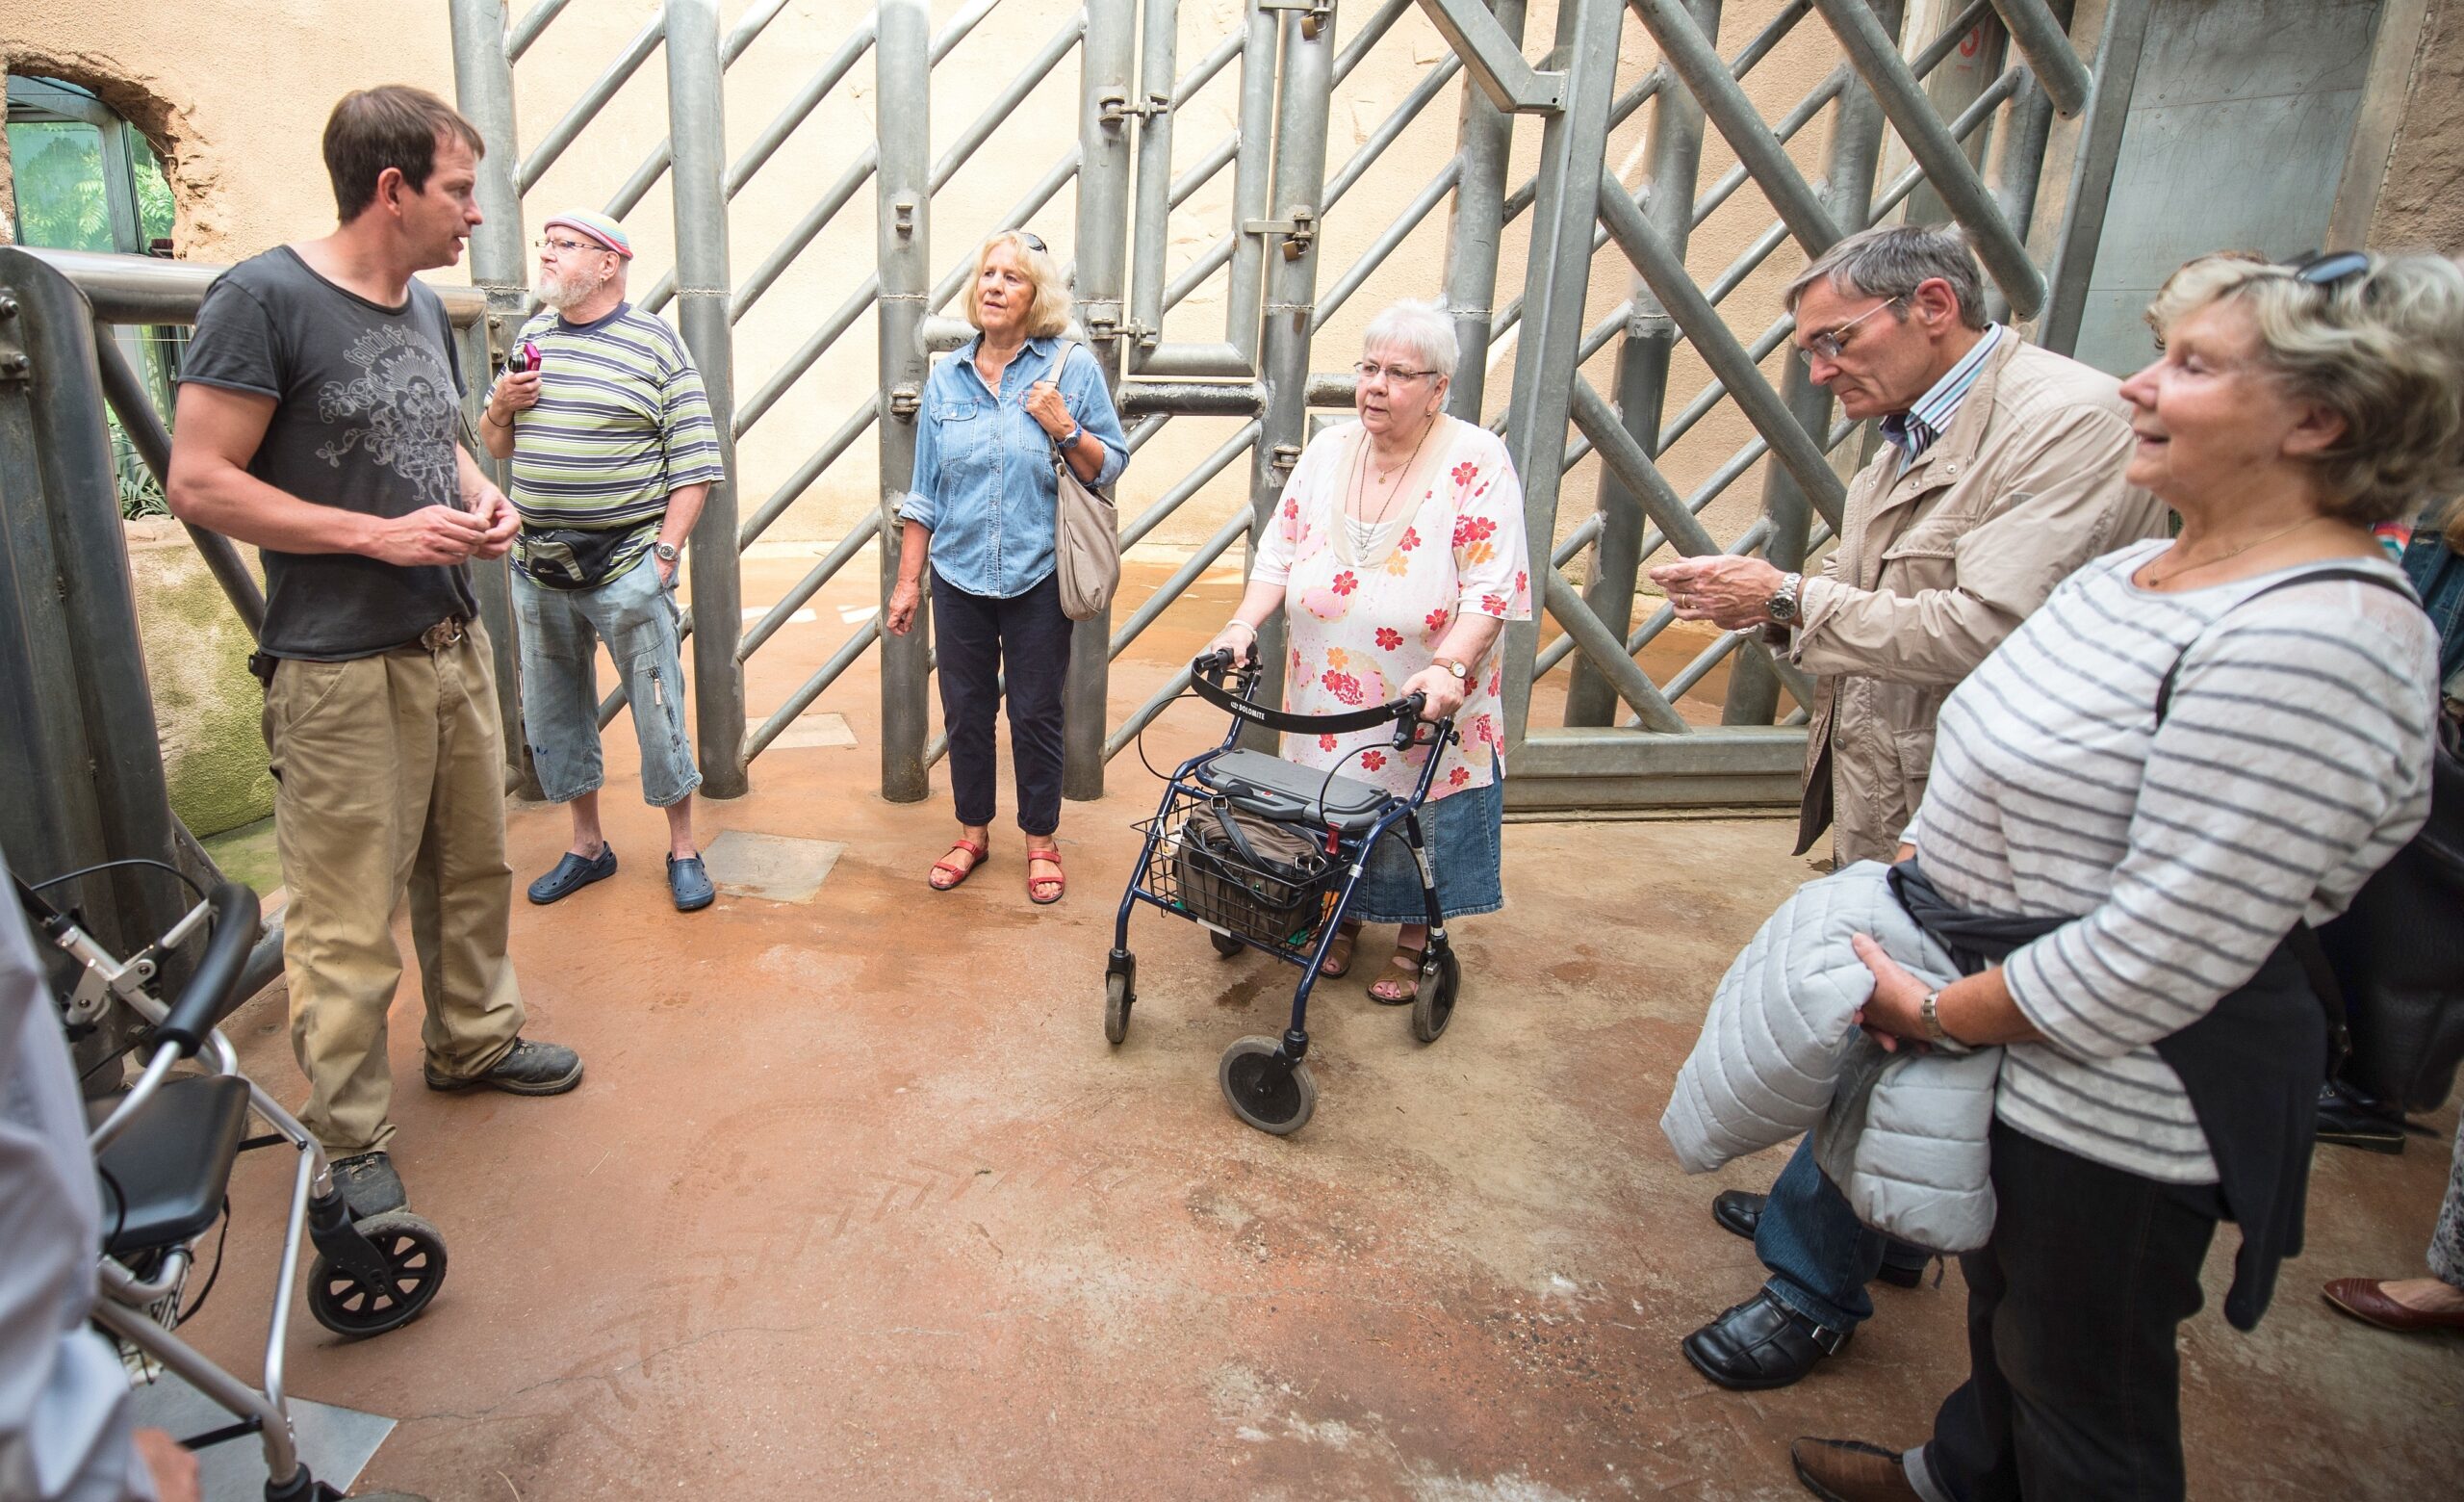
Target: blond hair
(1048,311)
(2383,349)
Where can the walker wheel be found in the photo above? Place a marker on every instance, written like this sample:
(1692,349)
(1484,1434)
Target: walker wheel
(1264,1089)
(1117,1000)
(1433,1007)
(1224,943)
(413,1252)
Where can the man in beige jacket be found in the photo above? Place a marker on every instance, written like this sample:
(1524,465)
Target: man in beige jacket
(2000,474)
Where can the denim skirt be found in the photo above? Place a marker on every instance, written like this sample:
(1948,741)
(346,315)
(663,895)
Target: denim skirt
(1460,834)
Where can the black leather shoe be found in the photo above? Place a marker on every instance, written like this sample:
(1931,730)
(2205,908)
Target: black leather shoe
(1738,1213)
(2349,1118)
(1760,1344)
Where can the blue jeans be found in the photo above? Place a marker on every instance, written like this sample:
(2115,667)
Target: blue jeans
(1819,1254)
(561,630)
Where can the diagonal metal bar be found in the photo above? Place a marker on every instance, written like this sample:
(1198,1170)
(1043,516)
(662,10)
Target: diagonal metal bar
(759,740)
(2092,171)
(1691,56)
(996,112)
(793,488)
(1875,56)
(663,155)
(527,29)
(801,361)
(1626,458)
(1418,210)
(955,279)
(1189,484)
(594,98)
(1235,528)
(1497,63)
(807,99)
(1372,31)
(1979,110)
(1127,732)
(1362,159)
(1208,67)
(1718,348)
(2045,43)
(1599,645)
(820,573)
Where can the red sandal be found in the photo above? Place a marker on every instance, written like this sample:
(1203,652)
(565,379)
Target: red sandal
(957,873)
(1059,884)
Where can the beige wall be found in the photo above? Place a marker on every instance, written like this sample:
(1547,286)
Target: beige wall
(2419,196)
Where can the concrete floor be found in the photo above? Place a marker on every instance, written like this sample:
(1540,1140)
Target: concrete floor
(856,1201)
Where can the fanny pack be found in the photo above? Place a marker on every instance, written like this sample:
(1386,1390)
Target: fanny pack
(572,557)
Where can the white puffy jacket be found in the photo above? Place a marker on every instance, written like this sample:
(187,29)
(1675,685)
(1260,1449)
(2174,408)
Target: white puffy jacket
(1780,1055)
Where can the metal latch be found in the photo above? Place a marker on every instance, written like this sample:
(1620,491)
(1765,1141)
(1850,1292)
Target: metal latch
(1113,106)
(1298,232)
(1313,13)
(1282,458)
(905,401)
(901,214)
(15,367)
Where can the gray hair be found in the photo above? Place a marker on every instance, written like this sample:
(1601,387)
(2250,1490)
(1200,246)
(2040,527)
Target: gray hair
(1894,260)
(2383,349)
(1423,327)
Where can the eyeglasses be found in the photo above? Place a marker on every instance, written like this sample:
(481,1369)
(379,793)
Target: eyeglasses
(1369,371)
(564,246)
(1829,344)
(2329,271)
(1034,241)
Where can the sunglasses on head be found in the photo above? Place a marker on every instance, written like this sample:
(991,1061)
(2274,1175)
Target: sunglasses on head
(2329,271)
(1034,241)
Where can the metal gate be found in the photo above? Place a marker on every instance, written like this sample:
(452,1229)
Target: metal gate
(1624,741)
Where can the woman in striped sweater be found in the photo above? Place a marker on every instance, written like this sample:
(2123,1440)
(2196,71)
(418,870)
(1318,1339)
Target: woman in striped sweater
(2192,748)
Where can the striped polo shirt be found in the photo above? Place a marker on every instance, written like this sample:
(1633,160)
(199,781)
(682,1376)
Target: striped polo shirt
(1928,417)
(620,425)
(2292,762)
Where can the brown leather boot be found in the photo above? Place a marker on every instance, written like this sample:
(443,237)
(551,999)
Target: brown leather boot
(1851,1470)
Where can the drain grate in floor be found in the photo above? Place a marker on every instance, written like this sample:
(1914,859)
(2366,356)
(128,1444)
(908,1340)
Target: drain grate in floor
(773,867)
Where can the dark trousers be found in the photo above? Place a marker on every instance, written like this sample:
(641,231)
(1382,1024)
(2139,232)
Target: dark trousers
(978,639)
(2074,1383)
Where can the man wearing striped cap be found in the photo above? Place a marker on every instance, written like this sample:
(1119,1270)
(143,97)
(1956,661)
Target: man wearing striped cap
(613,453)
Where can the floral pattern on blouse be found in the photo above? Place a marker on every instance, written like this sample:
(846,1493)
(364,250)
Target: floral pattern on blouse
(1357,633)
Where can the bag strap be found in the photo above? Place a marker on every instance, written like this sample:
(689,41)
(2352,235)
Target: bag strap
(2359,576)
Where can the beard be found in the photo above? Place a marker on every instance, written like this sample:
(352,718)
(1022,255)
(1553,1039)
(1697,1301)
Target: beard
(562,292)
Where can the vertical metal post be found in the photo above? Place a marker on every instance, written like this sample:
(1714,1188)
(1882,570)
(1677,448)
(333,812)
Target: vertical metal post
(1249,185)
(1485,137)
(1106,59)
(1157,53)
(902,81)
(1307,84)
(2092,174)
(1675,153)
(74,660)
(1852,157)
(1572,148)
(493,583)
(697,125)
(483,91)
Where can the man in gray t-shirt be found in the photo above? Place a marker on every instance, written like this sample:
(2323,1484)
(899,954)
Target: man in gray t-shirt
(316,420)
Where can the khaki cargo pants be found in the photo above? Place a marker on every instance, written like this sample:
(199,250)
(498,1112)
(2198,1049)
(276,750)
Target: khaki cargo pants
(390,781)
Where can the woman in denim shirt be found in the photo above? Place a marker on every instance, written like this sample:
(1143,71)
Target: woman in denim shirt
(983,509)
(2434,562)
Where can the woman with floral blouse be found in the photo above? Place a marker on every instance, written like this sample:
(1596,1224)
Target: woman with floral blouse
(1398,548)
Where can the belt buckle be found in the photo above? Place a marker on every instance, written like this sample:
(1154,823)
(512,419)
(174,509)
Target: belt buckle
(446,633)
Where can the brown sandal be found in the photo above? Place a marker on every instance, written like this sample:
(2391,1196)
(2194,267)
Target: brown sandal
(957,873)
(1404,970)
(1339,952)
(1059,884)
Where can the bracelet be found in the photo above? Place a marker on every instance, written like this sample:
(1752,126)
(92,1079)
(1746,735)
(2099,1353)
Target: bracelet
(1243,625)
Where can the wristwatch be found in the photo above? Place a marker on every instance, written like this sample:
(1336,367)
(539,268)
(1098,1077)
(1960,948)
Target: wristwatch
(1929,1012)
(665,551)
(1462,672)
(1783,604)
(1069,439)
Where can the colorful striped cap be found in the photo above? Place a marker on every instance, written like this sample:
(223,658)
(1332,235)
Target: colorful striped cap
(598,226)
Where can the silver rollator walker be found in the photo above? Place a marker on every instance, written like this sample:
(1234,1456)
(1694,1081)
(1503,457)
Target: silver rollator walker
(164,1157)
(1266,854)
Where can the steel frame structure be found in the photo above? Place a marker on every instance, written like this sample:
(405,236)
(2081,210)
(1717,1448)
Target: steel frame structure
(1623,744)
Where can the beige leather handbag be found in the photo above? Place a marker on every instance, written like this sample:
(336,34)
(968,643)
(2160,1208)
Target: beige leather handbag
(1086,535)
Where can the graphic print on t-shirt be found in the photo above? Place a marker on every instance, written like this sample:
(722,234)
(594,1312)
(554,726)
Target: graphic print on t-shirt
(398,412)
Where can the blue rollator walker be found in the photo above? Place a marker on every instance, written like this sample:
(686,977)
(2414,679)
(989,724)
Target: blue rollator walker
(1266,854)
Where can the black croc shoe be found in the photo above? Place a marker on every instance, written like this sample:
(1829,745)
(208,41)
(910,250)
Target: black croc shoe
(574,872)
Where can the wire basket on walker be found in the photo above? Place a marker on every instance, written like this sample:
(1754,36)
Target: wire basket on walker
(1266,854)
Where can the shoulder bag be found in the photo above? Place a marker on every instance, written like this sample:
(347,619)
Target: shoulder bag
(1086,535)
